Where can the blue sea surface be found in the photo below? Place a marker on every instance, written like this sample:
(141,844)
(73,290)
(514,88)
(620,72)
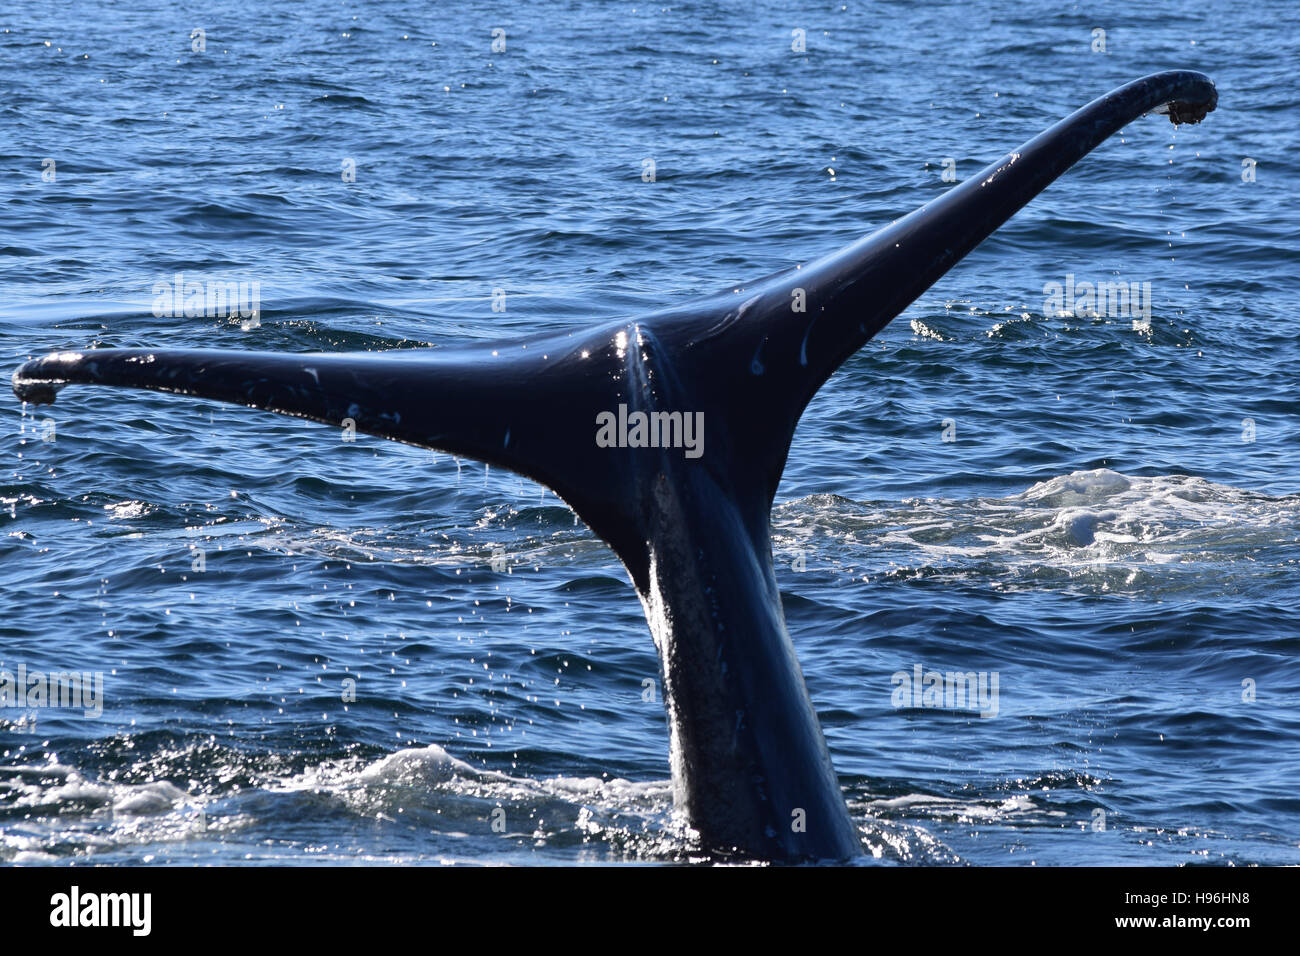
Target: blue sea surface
(316,650)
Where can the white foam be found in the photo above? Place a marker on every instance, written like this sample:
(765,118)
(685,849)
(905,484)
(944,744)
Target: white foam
(156,797)
(1096,525)
(417,766)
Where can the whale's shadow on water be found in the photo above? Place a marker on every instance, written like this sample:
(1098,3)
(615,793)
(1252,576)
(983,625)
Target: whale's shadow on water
(668,434)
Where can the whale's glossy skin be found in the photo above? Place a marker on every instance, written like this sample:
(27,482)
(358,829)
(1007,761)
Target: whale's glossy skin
(751,771)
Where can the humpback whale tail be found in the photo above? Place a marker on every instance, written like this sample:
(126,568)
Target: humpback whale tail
(615,421)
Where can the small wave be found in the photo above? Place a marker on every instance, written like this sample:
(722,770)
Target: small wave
(51,812)
(1104,529)
(928,332)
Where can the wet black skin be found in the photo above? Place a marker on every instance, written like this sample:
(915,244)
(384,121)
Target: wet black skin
(751,771)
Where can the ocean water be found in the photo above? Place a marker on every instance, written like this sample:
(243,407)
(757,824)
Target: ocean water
(315,650)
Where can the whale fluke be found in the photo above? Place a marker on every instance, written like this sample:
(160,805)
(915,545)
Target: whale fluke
(668,434)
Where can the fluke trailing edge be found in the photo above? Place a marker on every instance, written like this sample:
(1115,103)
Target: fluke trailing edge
(751,771)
